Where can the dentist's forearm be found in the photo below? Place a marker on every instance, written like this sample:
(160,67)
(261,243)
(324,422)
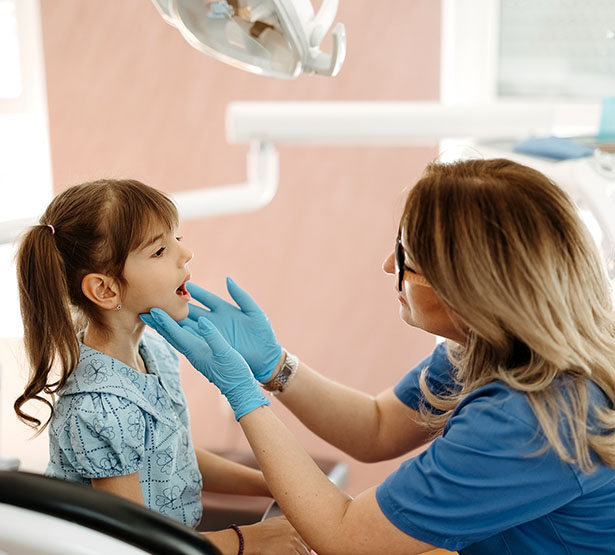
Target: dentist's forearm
(355,413)
(364,426)
(329,520)
(312,503)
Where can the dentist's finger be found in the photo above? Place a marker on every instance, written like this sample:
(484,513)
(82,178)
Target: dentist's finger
(189,323)
(196,312)
(210,300)
(216,342)
(147,319)
(194,333)
(170,330)
(243,300)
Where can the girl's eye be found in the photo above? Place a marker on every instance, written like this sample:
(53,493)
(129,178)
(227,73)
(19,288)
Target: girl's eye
(159,252)
(179,238)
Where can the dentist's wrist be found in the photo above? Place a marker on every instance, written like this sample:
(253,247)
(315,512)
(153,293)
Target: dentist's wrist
(243,404)
(278,366)
(283,374)
(271,367)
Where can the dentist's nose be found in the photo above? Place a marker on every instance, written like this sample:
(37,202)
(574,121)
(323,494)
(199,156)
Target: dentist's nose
(389,264)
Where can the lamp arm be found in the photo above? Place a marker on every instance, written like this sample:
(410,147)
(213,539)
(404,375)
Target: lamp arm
(260,187)
(258,190)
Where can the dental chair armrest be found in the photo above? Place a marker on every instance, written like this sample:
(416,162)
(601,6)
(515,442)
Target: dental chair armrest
(105,513)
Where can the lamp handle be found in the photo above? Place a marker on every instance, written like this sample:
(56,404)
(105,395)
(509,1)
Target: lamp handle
(329,64)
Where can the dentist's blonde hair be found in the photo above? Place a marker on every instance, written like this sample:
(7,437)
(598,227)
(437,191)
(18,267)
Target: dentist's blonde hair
(505,250)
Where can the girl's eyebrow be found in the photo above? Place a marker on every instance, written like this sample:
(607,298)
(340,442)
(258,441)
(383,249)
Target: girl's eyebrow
(152,241)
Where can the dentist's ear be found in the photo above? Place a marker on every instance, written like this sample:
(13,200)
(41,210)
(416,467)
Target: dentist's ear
(101,290)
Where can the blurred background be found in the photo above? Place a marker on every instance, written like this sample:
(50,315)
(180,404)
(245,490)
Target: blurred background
(128,97)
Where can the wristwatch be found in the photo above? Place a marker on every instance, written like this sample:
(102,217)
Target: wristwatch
(284,376)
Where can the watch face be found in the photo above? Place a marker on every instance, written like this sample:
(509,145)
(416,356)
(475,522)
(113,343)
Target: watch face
(284,375)
(277,384)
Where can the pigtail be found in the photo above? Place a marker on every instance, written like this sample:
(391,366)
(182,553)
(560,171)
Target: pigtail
(49,332)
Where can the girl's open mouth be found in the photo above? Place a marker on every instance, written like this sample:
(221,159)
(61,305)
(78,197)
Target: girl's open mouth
(182,291)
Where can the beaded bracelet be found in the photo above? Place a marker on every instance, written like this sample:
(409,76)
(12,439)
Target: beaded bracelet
(240,536)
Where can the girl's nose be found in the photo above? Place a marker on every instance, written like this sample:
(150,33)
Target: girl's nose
(389,264)
(188,255)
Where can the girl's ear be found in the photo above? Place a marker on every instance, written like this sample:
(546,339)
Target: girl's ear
(101,290)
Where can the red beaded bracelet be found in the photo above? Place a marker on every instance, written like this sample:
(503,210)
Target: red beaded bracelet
(240,536)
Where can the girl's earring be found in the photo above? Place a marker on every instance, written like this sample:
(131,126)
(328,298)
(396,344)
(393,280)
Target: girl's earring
(118,307)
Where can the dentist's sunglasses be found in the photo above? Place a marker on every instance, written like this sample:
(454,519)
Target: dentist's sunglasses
(401,267)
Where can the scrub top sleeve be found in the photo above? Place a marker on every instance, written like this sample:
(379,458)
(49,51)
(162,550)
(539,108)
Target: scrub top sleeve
(482,476)
(439,377)
(106,435)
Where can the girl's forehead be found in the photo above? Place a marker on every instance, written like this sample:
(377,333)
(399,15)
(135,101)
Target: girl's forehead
(157,228)
(159,223)
(154,229)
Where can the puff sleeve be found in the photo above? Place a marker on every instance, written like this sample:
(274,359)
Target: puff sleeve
(104,435)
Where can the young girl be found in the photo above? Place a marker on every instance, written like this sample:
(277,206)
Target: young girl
(103,253)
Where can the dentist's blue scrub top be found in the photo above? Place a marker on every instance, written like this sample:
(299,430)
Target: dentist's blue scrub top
(481,489)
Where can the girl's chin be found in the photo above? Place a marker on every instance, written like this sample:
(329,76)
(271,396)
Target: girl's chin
(180,314)
(177,314)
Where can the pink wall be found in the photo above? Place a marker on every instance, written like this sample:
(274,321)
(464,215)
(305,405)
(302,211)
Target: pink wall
(128,97)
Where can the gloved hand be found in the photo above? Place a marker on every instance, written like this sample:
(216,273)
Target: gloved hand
(246,328)
(213,357)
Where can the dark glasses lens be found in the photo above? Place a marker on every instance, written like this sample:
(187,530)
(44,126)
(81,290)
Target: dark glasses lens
(399,261)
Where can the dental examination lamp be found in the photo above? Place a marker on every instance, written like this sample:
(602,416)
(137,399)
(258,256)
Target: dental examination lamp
(276,38)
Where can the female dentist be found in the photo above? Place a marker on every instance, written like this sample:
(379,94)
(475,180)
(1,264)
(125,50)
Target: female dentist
(519,402)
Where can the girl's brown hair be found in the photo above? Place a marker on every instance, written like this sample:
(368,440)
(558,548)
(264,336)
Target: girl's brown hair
(88,228)
(505,250)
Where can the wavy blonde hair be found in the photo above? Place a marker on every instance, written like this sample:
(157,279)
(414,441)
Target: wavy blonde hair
(506,251)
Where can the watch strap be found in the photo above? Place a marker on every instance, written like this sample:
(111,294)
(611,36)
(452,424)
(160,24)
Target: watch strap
(284,376)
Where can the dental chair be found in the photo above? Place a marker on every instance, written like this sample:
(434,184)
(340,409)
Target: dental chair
(40,515)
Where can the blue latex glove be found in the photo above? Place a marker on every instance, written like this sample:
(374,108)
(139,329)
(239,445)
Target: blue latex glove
(213,357)
(246,328)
